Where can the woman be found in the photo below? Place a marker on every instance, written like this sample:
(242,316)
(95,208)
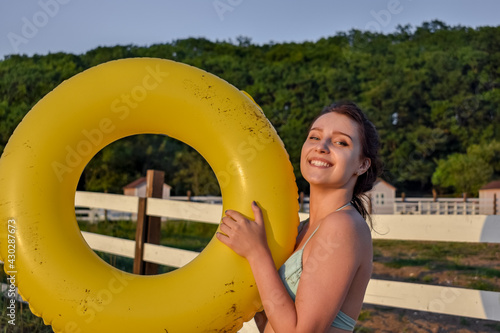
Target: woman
(321,286)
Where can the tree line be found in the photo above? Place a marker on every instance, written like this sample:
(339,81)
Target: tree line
(432,91)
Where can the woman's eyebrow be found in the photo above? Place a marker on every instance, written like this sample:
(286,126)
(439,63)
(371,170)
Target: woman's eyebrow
(342,133)
(335,132)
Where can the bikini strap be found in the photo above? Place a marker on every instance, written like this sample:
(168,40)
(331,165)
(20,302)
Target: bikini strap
(307,241)
(344,206)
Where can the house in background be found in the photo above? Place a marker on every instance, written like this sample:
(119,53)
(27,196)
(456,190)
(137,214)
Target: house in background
(488,194)
(138,188)
(383,196)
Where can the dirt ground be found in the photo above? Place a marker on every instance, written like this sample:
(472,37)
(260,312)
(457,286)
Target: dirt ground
(474,266)
(381,319)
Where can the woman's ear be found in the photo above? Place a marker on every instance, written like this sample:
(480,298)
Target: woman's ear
(365,165)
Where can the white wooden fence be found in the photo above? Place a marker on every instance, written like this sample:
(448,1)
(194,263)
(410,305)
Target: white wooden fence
(439,299)
(444,206)
(431,206)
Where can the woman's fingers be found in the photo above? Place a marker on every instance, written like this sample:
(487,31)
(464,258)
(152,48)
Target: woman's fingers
(234,215)
(227,225)
(223,238)
(228,221)
(236,224)
(241,234)
(238,217)
(224,228)
(257,213)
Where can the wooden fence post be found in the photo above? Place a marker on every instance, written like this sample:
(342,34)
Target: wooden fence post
(140,237)
(494,204)
(403,204)
(464,195)
(301,201)
(370,204)
(148,227)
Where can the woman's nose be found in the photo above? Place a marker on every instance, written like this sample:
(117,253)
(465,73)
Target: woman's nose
(322,147)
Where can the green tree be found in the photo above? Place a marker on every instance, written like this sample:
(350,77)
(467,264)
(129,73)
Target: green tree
(463,173)
(431,90)
(468,172)
(194,173)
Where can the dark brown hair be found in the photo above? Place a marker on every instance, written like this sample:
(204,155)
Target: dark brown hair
(370,145)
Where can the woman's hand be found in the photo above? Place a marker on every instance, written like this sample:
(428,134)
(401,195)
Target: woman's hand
(245,237)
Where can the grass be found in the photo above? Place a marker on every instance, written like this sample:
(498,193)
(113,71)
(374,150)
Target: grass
(427,279)
(374,318)
(24,321)
(464,321)
(435,250)
(364,315)
(187,235)
(430,259)
(494,326)
(486,272)
(403,262)
(481,285)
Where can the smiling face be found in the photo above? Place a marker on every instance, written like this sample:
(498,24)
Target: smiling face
(332,153)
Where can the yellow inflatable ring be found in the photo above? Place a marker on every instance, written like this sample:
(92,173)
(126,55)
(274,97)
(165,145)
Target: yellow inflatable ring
(63,280)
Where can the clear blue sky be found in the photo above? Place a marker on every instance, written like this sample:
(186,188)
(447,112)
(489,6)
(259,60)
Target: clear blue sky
(76,26)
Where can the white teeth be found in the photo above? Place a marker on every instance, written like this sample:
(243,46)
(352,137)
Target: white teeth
(320,163)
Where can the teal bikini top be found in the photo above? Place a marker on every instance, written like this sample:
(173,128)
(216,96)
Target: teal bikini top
(290,274)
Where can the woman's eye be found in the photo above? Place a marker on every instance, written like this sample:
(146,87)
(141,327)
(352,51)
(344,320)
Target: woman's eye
(342,143)
(312,137)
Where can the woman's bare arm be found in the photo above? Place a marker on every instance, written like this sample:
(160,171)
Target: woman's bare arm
(332,262)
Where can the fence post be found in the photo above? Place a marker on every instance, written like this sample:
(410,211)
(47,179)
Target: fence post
(148,227)
(494,204)
(464,194)
(301,201)
(140,237)
(403,205)
(370,204)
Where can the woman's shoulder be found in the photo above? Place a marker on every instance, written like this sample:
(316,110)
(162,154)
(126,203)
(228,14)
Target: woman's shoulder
(346,223)
(343,237)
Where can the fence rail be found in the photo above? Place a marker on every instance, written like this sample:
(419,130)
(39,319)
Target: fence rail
(443,206)
(439,299)
(408,206)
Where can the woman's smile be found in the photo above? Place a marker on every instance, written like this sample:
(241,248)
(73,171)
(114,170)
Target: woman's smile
(320,162)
